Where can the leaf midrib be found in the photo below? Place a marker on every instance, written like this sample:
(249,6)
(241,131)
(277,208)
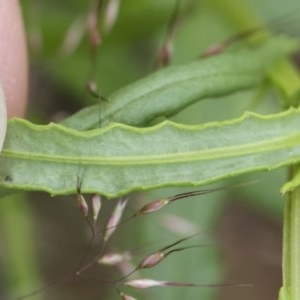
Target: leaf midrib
(189,156)
(117,108)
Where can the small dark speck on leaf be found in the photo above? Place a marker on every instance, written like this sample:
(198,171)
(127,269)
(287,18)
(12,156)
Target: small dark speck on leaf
(8,178)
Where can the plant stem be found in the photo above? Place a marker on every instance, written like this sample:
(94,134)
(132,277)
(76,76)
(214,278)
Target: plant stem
(18,241)
(291,247)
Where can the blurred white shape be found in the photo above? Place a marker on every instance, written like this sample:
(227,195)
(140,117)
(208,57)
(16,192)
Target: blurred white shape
(73,37)
(178,224)
(114,258)
(111,14)
(126,297)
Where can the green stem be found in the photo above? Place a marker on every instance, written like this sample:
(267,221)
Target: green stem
(291,247)
(17,227)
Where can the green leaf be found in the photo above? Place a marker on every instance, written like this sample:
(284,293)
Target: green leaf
(241,15)
(168,91)
(120,159)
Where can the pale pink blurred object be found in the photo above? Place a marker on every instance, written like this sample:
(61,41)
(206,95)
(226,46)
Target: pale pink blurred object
(13,57)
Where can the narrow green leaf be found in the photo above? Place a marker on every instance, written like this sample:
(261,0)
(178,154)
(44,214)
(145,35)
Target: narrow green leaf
(119,159)
(241,16)
(166,92)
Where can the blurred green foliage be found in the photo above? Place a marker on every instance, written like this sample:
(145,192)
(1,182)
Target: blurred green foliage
(127,54)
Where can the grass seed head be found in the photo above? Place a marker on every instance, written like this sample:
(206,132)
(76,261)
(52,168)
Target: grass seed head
(125,296)
(152,207)
(114,258)
(111,14)
(96,206)
(115,218)
(151,260)
(143,283)
(93,32)
(82,204)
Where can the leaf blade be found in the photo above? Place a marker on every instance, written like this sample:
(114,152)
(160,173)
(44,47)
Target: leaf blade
(120,159)
(168,91)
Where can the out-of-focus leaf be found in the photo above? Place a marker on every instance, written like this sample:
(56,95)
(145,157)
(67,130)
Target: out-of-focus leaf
(168,91)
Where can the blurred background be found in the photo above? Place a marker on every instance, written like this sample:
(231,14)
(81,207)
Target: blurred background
(43,238)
